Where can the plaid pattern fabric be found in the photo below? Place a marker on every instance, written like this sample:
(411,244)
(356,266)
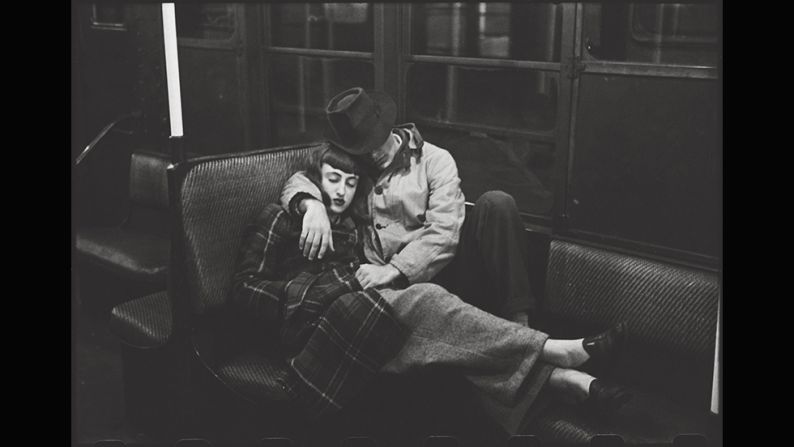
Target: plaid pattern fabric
(335,335)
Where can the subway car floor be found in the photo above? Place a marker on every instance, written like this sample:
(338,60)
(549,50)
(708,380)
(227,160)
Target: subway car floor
(98,397)
(405,414)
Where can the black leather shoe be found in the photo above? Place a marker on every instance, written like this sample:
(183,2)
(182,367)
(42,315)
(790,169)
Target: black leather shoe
(604,347)
(606,397)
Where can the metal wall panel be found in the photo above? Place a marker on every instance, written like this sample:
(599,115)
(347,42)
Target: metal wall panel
(647,162)
(211,100)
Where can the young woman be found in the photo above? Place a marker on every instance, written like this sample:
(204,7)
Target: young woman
(329,327)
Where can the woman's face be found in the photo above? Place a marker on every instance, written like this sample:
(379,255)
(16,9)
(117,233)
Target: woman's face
(340,187)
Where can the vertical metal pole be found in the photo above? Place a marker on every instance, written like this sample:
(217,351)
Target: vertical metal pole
(172,78)
(676,12)
(482,10)
(452,71)
(716,397)
(544,80)
(657,50)
(176,147)
(570,44)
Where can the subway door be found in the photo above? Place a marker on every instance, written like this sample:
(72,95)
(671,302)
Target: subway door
(646,161)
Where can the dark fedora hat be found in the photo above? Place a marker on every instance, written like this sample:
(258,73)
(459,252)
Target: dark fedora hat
(358,121)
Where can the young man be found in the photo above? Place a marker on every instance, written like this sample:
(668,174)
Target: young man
(419,230)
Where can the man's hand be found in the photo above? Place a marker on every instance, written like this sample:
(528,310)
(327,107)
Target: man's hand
(316,231)
(371,275)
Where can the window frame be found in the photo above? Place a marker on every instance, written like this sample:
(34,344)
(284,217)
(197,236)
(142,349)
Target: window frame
(268,49)
(591,64)
(659,38)
(558,136)
(634,69)
(392,58)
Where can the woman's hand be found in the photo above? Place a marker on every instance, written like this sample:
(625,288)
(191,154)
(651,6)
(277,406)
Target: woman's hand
(371,275)
(316,236)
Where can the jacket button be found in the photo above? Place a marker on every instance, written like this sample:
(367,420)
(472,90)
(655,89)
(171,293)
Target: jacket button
(378,190)
(378,226)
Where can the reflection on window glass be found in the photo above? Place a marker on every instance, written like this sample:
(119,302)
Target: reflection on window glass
(489,30)
(517,166)
(205,21)
(656,33)
(107,15)
(302,86)
(493,97)
(327,26)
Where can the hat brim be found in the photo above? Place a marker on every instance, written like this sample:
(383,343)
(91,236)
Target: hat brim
(380,132)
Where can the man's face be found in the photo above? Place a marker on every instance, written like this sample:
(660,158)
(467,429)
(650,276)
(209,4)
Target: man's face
(340,187)
(383,155)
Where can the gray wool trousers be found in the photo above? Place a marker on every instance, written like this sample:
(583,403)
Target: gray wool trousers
(501,359)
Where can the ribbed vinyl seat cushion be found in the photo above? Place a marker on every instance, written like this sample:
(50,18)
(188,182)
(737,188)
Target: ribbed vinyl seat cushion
(256,376)
(143,322)
(668,307)
(139,248)
(218,199)
(671,315)
(149,180)
(139,255)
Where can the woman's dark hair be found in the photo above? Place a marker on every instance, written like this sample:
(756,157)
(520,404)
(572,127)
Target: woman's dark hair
(339,159)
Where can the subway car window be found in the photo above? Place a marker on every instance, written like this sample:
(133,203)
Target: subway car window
(488,30)
(673,33)
(107,16)
(484,116)
(302,86)
(524,100)
(520,166)
(205,21)
(326,26)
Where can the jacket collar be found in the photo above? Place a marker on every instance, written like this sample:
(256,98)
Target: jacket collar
(415,142)
(411,146)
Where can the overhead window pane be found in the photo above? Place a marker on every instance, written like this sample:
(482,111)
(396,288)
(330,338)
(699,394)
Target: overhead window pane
(518,166)
(488,30)
(107,15)
(302,86)
(483,97)
(205,21)
(672,33)
(327,26)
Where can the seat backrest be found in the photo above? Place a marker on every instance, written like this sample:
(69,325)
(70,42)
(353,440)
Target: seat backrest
(148,191)
(216,198)
(149,179)
(671,312)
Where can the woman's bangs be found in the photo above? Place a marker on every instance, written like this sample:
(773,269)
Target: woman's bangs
(339,159)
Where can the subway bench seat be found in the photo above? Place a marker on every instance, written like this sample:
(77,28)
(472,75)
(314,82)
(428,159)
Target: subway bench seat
(668,360)
(130,258)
